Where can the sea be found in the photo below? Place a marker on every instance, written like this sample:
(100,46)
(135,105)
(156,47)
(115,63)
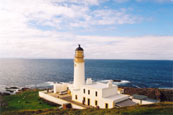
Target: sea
(37,73)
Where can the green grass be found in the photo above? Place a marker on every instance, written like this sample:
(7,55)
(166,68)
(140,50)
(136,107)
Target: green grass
(156,109)
(25,100)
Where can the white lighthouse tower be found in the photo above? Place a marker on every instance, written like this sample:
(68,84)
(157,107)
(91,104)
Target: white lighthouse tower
(79,68)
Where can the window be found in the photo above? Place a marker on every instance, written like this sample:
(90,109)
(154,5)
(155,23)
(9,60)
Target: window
(88,92)
(76,97)
(106,105)
(96,93)
(83,90)
(95,102)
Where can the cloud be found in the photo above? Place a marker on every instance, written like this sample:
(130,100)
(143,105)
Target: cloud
(59,14)
(157,1)
(53,44)
(39,29)
(42,12)
(114,17)
(146,47)
(86,2)
(107,17)
(121,1)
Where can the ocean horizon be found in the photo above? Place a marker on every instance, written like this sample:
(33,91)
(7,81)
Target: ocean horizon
(44,72)
(85,59)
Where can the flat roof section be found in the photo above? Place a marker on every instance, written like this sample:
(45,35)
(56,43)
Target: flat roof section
(97,85)
(125,103)
(117,97)
(140,97)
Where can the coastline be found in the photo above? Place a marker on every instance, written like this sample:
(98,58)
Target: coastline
(153,93)
(27,102)
(49,84)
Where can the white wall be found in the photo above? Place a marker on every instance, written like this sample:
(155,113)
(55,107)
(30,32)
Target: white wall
(124,97)
(59,101)
(79,74)
(100,101)
(150,101)
(145,102)
(51,98)
(110,91)
(58,87)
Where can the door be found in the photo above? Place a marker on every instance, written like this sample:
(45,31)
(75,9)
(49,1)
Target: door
(88,101)
(83,101)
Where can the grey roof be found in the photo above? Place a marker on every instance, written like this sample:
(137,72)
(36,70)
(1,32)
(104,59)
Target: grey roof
(125,103)
(140,97)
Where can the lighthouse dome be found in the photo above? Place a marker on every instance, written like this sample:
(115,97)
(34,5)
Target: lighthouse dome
(79,48)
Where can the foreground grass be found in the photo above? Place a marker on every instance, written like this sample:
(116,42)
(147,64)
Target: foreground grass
(27,103)
(25,100)
(157,109)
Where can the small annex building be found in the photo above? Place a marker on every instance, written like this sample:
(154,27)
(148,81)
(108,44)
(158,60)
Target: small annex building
(143,100)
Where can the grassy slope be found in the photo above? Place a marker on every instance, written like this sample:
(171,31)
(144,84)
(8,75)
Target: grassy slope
(161,109)
(25,100)
(29,103)
(157,109)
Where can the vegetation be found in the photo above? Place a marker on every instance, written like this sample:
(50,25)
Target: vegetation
(28,102)
(25,100)
(157,109)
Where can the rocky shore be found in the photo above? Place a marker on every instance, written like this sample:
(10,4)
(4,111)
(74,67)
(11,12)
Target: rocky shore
(154,93)
(12,90)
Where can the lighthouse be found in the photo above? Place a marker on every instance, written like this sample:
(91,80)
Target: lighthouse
(89,93)
(79,68)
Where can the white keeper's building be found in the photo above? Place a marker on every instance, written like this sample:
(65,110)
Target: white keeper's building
(87,92)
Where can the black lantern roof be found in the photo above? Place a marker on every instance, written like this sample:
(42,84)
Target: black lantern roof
(79,48)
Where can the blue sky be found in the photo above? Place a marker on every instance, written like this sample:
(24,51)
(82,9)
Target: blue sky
(153,18)
(107,29)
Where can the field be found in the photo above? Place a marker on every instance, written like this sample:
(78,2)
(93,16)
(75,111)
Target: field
(28,102)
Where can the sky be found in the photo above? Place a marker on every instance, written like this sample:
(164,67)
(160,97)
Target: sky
(106,29)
